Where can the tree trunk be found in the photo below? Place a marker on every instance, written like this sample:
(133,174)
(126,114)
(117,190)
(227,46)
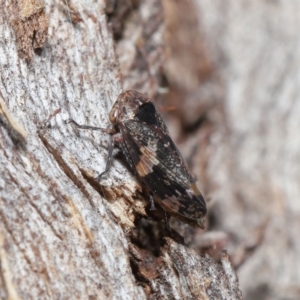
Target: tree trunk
(239,116)
(64,235)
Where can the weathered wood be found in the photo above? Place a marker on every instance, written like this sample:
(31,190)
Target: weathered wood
(244,115)
(64,235)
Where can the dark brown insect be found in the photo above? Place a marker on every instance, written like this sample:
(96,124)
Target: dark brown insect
(143,137)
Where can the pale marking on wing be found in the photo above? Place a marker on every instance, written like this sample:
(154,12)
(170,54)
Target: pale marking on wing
(146,163)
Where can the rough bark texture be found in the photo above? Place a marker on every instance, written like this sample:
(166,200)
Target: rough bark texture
(239,121)
(63,235)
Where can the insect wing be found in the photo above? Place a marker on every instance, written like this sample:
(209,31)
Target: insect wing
(160,166)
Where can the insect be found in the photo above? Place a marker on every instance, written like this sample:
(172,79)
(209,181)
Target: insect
(140,133)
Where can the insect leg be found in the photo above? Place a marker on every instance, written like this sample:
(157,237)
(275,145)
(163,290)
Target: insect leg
(109,159)
(152,207)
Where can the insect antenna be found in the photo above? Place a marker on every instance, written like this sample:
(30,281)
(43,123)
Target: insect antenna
(105,130)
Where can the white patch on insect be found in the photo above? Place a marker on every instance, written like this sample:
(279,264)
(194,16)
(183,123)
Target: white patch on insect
(178,193)
(152,146)
(190,193)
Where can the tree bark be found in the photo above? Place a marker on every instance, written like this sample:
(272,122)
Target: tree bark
(239,121)
(63,234)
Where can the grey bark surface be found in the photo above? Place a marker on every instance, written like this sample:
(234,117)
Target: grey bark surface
(56,230)
(249,141)
(63,235)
